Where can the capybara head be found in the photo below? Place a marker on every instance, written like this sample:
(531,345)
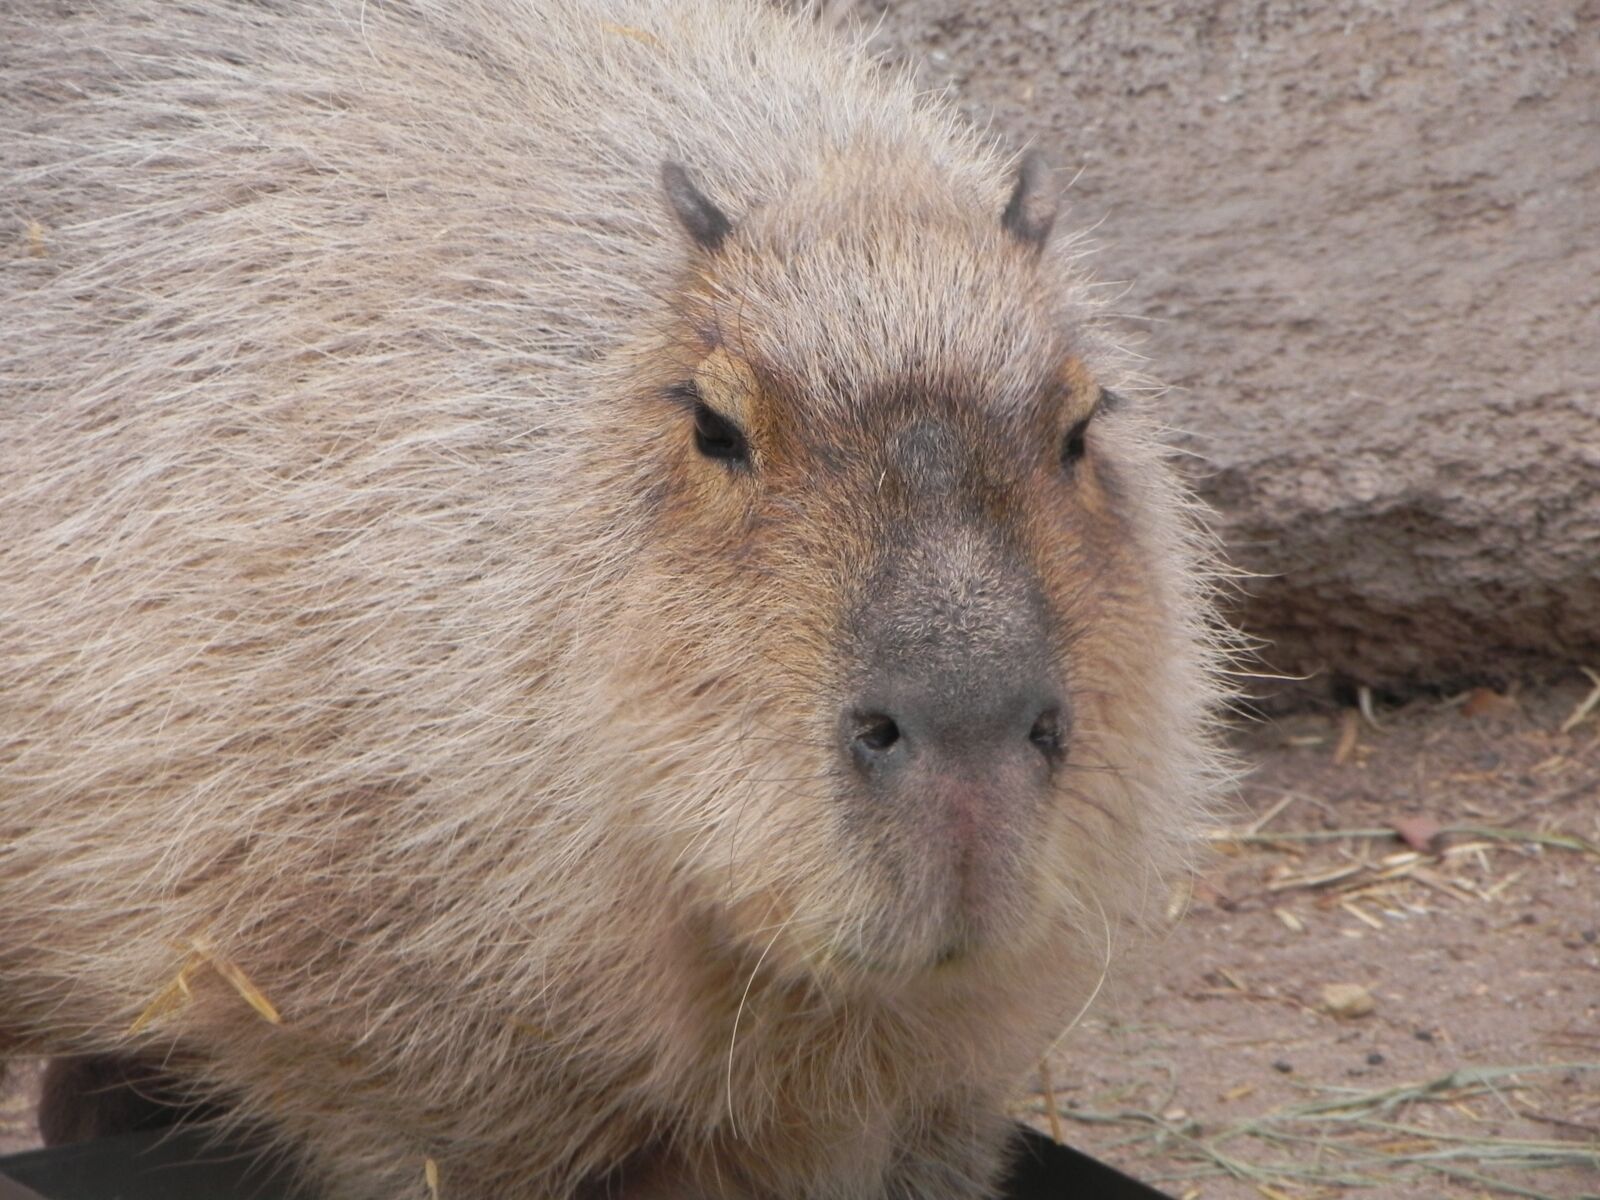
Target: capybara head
(916,664)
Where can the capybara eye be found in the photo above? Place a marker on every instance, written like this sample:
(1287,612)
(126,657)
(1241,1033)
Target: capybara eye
(1074,444)
(717,437)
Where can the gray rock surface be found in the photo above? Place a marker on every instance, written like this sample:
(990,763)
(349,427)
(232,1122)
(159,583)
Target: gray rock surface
(1366,234)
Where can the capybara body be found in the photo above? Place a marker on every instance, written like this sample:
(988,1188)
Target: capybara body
(578,611)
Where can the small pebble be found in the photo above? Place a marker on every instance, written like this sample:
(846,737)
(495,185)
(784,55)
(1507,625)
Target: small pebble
(1423,1035)
(1374,1059)
(1347,1000)
(1285,1067)
(1591,936)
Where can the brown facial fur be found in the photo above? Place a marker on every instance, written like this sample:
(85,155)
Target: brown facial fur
(380,643)
(926,439)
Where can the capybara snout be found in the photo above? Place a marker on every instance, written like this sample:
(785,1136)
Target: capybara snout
(959,723)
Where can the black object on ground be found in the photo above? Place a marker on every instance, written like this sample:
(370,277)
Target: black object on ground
(161,1164)
(1046,1170)
(182,1164)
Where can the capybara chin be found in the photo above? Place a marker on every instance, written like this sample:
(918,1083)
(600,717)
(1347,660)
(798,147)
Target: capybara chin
(580,612)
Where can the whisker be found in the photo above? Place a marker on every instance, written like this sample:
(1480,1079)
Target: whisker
(733,1040)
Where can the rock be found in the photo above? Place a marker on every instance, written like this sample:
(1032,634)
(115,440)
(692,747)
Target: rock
(1347,1000)
(1368,241)
(1420,832)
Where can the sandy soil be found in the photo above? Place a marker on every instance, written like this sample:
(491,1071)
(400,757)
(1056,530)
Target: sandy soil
(1482,960)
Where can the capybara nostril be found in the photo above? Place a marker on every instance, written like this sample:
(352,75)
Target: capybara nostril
(1049,733)
(874,738)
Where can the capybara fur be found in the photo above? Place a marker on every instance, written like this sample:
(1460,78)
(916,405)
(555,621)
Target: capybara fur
(580,611)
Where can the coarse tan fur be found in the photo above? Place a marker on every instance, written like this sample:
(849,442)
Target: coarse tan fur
(407,737)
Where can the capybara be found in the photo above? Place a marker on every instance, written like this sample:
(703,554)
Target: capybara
(586,605)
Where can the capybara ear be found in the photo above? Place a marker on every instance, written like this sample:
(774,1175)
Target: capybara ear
(707,224)
(1029,216)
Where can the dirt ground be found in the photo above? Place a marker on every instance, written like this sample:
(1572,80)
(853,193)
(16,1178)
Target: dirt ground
(1477,1072)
